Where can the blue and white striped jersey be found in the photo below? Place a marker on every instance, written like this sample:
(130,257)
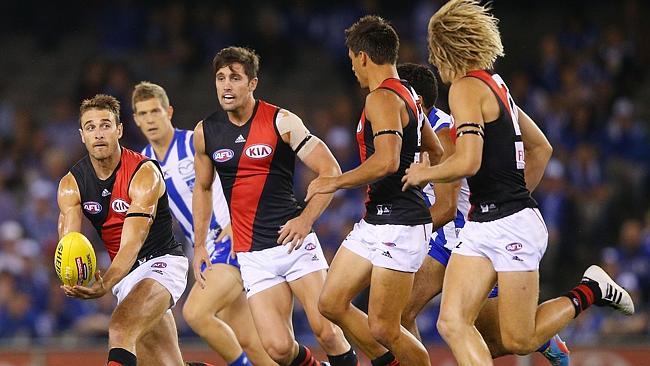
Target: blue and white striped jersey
(178,170)
(447,235)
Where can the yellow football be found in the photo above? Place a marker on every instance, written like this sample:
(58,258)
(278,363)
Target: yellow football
(74,260)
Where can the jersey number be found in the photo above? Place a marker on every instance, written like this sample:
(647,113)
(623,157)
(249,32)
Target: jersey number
(514,116)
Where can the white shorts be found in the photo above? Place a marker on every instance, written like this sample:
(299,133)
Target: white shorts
(513,243)
(168,270)
(263,269)
(399,247)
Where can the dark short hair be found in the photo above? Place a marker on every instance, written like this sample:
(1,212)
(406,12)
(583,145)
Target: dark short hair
(422,80)
(247,57)
(101,102)
(376,37)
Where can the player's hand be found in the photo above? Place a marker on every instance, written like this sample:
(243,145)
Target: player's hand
(95,291)
(416,174)
(227,231)
(200,257)
(321,185)
(294,232)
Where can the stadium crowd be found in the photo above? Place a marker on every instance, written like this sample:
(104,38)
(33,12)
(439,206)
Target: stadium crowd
(581,79)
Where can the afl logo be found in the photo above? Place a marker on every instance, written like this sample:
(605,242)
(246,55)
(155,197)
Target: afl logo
(223,155)
(513,247)
(120,206)
(258,151)
(92,207)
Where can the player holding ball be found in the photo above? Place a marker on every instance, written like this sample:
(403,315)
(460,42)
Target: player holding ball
(123,195)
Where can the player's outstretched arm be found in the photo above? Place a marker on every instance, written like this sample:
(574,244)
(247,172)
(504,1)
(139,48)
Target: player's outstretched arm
(147,186)
(201,203)
(537,149)
(69,201)
(465,99)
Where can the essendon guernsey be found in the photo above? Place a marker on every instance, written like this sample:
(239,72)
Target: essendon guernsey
(499,187)
(256,169)
(386,203)
(106,202)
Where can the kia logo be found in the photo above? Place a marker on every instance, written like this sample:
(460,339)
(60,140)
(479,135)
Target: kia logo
(258,151)
(120,205)
(92,207)
(513,247)
(223,155)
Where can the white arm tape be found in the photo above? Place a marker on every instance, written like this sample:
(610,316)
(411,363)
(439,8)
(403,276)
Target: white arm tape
(287,122)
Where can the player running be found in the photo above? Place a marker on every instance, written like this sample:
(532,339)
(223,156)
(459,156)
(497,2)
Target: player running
(253,146)
(503,154)
(449,205)
(216,305)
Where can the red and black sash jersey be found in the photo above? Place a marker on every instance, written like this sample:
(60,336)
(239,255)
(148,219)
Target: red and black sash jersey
(499,187)
(386,203)
(256,169)
(106,202)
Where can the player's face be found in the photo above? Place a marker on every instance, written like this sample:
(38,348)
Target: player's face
(100,133)
(154,120)
(234,87)
(358,67)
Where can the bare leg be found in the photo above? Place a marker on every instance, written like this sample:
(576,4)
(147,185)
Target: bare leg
(426,285)
(141,310)
(329,336)
(463,297)
(272,310)
(223,289)
(348,275)
(159,346)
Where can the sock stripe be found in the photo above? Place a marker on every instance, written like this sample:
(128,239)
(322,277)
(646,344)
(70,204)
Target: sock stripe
(587,292)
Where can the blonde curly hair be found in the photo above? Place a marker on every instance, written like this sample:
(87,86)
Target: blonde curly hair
(463,36)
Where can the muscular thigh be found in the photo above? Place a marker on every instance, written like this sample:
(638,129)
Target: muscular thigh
(468,281)
(389,293)
(349,273)
(427,283)
(518,298)
(272,311)
(143,307)
(307,289)
(223,286)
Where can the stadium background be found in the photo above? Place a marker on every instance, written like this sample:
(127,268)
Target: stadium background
(577,67)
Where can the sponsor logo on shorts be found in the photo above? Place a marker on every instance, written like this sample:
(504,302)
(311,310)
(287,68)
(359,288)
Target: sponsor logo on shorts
(387,254)
(513,247)
(389,244)
(120,205)
(310,246)
(258,151)
(223,155)
(92,207)
(458,245)
(516,258)
(314,258)
(158,271)
(159,265)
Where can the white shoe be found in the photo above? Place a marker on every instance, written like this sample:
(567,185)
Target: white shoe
(611,293)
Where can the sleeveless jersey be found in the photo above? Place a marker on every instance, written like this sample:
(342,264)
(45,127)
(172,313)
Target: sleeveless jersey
(106,202)
(386,203)
(256,169)
(178,170)
(447,236)
(499,187)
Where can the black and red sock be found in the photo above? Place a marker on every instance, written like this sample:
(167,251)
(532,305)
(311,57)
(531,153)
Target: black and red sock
(584,295)
(121,357)
(304,357)
(348,358)
(387,359)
